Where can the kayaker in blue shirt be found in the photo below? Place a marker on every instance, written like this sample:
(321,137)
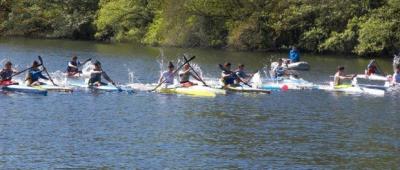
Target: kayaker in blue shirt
(96,74)
(34,75)
(6,73)
(228,77)
(294,55)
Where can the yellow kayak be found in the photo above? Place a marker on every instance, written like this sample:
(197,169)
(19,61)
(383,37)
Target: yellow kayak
(201,91)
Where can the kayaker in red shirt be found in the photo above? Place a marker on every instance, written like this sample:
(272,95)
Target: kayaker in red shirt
(6,73)
(372,68)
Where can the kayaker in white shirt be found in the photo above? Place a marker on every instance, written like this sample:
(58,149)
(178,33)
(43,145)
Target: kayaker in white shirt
(168,76)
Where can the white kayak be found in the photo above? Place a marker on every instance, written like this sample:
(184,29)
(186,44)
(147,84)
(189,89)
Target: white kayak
(108,87)
(25,89)
(287,83)
(301,65)
(55,88)
(352,89)
(372,77)
(244,89)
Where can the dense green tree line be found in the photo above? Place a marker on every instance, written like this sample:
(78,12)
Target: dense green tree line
(362,27)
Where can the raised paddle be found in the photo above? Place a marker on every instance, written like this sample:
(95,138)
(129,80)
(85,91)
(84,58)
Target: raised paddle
(159,84)
(84,62)
(223,69)
(45,70)
(195,72)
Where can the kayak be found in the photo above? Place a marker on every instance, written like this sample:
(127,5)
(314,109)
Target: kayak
(289,83)
(192,90)
(196,90)
(376,77)
(108,87)
(244,89)
(55,88)
(352,89)
(25,89)
(301,65)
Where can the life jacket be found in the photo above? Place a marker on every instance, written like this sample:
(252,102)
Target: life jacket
(372,70)
(73,69)
(6,74)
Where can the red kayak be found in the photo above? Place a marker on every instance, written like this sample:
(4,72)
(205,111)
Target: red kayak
(7,83)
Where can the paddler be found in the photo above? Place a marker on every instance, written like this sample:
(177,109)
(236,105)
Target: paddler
(185,75)
(34,75)
(168,76)
(73,66)
(372,68)
(6,73)
(228,77)
(279,70)
(339,76)
(96,74)
(294,55)
(241,75)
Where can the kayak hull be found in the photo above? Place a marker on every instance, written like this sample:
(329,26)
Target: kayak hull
(372,77)
(353,89)
(246,89)
(25,89)
(301,65)
(108,87)
(289,83)
(201,91)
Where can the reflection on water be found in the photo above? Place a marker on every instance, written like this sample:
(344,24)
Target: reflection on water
(289,130)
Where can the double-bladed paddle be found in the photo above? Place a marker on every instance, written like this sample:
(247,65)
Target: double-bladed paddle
(159,84)
(21,72)
(224,69)
(195,72)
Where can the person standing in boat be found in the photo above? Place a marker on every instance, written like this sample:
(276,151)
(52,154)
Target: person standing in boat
(185,75)
(241,75)
(228,77)
(34,75)
(96,74)
(279,70)
(6,73)
(340,76)
(294,55)
(168,76)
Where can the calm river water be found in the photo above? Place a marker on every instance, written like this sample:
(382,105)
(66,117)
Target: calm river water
(289,130)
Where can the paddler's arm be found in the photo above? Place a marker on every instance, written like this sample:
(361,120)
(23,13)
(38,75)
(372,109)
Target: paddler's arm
(42,76)
(108,78)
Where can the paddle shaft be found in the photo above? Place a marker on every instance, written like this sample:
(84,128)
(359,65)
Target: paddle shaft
(20,72)
(45,70)
(187,61)
(195,71)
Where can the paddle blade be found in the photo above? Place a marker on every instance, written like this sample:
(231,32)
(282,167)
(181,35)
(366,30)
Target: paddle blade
(40,60)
